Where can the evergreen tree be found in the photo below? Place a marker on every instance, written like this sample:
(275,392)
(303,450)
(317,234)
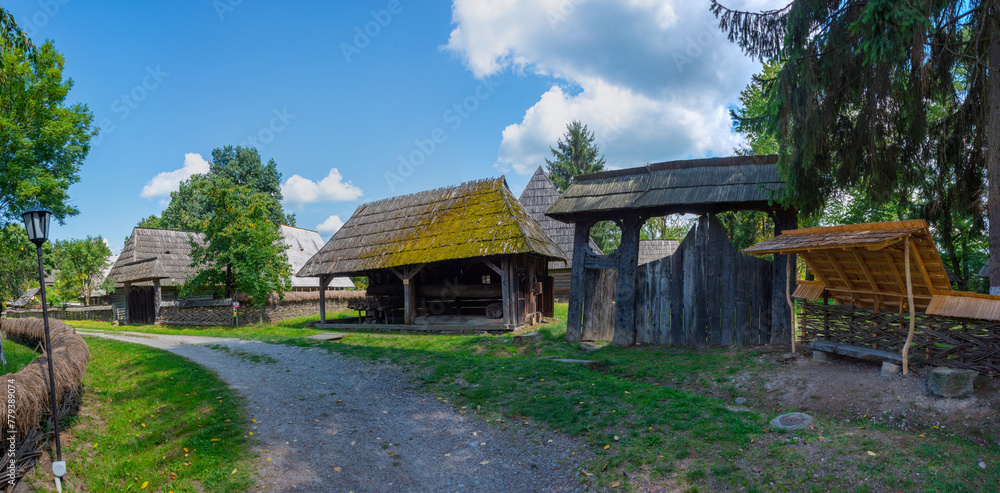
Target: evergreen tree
(576,154)
(883,96)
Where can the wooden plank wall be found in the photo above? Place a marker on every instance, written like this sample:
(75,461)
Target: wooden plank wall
(706,293)
(599,304)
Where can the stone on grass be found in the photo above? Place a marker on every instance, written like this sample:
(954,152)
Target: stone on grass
(527,338)
(793,421)
(950,382)
(889,369)
(589,364)
(328,336)
(820,356)
(740,401)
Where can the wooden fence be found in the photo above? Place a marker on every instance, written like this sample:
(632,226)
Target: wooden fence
(941,341)
(706,293)
(103,313)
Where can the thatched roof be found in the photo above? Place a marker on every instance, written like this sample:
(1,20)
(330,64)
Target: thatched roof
(651,250)
(25,298)
(301,245)
(693,186)
(538,195)
(865,262)
(475,219)
(171,248)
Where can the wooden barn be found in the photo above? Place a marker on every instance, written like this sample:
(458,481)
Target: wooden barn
(538,195)
(464,255)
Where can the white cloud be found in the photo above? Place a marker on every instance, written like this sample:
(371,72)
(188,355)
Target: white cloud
(330,226)
(169,181)
(652,79)
(299,190)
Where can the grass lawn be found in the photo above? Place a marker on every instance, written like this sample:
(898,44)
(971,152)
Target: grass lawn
(153,421)
(18,356)
(654,417)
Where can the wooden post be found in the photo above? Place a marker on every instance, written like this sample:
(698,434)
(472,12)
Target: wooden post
(574,318)
(780,330)
(128,315)
(788,295)
(157,300)
(409,292)
(324,281)
(909,301)
(628,265)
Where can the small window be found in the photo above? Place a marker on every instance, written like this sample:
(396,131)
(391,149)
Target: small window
(486,279)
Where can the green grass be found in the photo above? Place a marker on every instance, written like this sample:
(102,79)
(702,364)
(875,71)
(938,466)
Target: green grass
(654,416)
(149,416)
(18,356)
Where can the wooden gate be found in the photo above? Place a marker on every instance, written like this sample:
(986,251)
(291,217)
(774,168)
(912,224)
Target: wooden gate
(706,293)
(599,304)
(141,305)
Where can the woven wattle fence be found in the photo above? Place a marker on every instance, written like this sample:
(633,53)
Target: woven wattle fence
(28,392)
(941,341)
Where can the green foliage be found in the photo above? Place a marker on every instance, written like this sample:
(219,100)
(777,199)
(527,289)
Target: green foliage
(576,154)
(607,235)
(19,259)
(750,119)
(81,267)
(245,251)
(673,227)
(189,208)
(43,140)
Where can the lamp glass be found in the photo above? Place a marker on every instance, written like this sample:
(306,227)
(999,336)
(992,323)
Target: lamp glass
(36,221)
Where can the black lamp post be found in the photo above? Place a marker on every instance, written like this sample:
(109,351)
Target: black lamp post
(36,221)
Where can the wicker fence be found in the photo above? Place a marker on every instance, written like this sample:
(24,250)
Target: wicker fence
(941,341)
(103,313)
(221,314)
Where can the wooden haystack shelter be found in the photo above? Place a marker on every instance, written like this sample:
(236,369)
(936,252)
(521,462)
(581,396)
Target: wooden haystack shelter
(890,292)
(702,186)
(468,254)
(538,195)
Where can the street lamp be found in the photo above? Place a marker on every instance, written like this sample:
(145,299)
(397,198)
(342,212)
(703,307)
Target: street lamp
(36,221)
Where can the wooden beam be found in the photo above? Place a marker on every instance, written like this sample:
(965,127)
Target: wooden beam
(128,314)
(601,262)
(505,289)
(812,267)
(864,269)
(880,293)
(892,267)
(324,281)
(840,271)
(628,264)
(157,300)
(920,264)
(493,267)
(788,296)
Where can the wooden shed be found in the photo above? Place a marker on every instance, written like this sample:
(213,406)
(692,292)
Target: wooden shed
(888,286)
(538,195)
(468,254)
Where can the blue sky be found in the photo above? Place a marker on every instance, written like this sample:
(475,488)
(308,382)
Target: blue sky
(359,101)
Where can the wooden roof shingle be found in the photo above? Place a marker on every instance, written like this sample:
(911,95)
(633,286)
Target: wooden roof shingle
(652,250)
(475,219)
(171,248)
(538,195)
(300,246)
(690,186)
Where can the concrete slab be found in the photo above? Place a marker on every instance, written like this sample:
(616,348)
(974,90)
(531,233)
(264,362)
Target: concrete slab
(328,336)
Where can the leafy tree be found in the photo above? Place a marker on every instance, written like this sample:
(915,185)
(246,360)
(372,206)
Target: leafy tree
(245,251)
(853,104)
(19,260)
(81,266)
(673,227)
(12,37)
(189,208)
(576,154)
(43,140)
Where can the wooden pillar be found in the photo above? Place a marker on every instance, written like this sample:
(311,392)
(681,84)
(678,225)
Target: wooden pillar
(157,300)
(409,292)
(628,265)
(128,288)
(781,313)
(324,281)
(909,302)
(574,318)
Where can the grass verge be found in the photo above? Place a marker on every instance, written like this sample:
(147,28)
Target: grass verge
(153,421)
(18,356)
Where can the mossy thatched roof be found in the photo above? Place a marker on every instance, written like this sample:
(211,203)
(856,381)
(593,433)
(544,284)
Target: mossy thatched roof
(476,219)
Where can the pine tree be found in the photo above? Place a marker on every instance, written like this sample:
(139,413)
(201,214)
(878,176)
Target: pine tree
(577,154)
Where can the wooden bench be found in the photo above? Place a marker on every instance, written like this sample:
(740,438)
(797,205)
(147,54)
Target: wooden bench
(859,352)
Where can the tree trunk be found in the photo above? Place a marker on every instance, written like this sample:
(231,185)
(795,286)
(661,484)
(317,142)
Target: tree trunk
(993,150)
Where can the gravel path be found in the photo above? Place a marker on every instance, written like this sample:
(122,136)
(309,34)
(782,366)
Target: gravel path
(325,422)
